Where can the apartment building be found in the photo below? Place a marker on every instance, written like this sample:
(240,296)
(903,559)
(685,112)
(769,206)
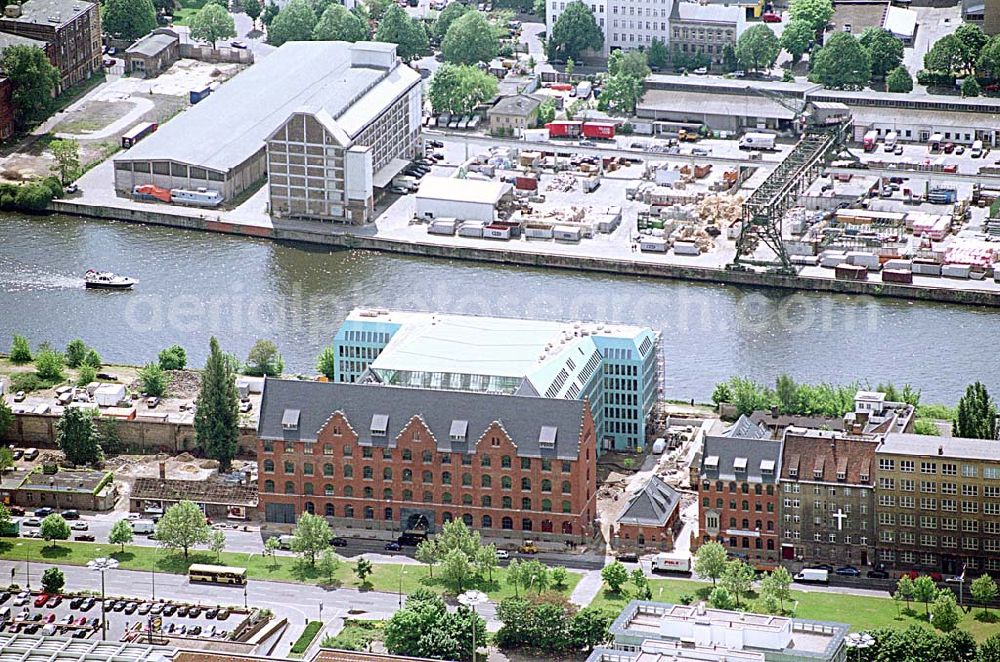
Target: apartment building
(636,23)
(938,503)
(738,491)
(71,28)
(828,497)
(398,459)
(617,368)
(705,28)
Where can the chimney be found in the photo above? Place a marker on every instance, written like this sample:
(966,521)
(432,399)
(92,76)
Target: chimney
(163,470)
(774,411)
(940,450)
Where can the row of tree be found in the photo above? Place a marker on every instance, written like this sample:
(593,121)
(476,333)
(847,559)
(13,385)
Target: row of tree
(967,52)
(791,397)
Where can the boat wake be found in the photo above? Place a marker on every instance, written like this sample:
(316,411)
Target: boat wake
(17,276)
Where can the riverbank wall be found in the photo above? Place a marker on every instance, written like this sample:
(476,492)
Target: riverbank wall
(341,238)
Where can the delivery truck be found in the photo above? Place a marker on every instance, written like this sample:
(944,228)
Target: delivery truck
(813,576)
(757,141)
(890,141)
(664,562)
(143,527)
(870,141)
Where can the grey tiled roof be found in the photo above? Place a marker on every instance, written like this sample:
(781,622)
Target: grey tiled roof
(724,452)
(745,428)
(518,104)
(152,44)
(521,417)
(653,505)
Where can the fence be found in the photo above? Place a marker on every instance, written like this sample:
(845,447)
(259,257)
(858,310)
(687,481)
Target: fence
(221,55)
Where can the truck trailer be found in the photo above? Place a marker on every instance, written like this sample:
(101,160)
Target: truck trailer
(870,141)
(664,562)
(601,130)
(564,129)
(757,141)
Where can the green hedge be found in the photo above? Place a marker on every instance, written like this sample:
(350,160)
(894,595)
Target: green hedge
(306,638)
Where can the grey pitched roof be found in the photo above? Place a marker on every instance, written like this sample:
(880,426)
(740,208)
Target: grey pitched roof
(746,428)
(720,455)
(153,44)
(653,505)
(523,418)
(517,104)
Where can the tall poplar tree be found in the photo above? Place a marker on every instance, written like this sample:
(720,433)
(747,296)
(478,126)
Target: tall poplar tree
(216,422)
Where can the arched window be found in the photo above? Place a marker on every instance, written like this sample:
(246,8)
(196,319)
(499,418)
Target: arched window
(486,501)
(348,491)
(269,486)
(484,461)
(387,473)
(367,472)
(487,522)
(546,485)
(446,478)
(407,455)
(407,495)
(387,494)
(466,499)
(427,477)
(328,510)
(310,507)
(547,526)
(567,507)
(486,481)
(466,480)
(565,487)
(746,505)
(446,516)
(268,466)
(467,518)
(289,487)
(525,503)
(508,503)
(348,510)
(387,515)
(426,457)
(507,523)
(369,512)
(407,475)
(368,493)
(446,497)
(328,489)
(770,544)
(307,469)
(505,462)
(327,469)
(348,471)
(428,497)
(289,467)
(546,506)
(526,524)
(327,449)
(567,528)
(525,484)
(308,489)
(506,482)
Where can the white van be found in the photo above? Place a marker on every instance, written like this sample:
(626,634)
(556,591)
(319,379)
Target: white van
(30,453)
(813,576)
(977,149)
(890,141)
(285,541)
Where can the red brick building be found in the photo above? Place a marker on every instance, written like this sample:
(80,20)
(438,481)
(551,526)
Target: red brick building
(402,459)
(738,492)
(6,109)
(650,519)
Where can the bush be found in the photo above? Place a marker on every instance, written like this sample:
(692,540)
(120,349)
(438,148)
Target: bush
(20,350)
(49,365)
(26,381)
(933,78)
(308,634)
(55,186)
(33,196)
(85,375)
(173,358)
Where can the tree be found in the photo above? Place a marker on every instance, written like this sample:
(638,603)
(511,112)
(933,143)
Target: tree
(362,569)
(486,561)
(183,526)
(738,579)
(776,584)
(757,48)
(121,533)
(216,419)
(376,9)
(211,24)
(92,358)
(470,40)
(295,22)
(49,364)
(6,456)
(328,564)
(33,79)
(172,358)
(989,650)
(128,19)
(632,63)
(75,351)
(842,63)
(54,527)
(984,591)
(6,421)
(816,13)
(642,590)
(657,54)
(547,111)
(337,23)
(448,15)
(988,63)
(970,87)
(559,576)
(535,574)
(721,598)
(958,646)
(264,359)
(217,543)
(975,416)
(589,628)
(424,628)
(620,93)
(514,575)
(326,362)
(570,66)
(574,32)
(459,89)
(787,392)
(253,10)
(904,589)
(899,81)
(408,34)
(944,613)
(77,436)
(153,380)
(614,575)
(311,536)
(20,350)
(796,37)
(456,569)
(924,590)
(971,41)
(53,581)
(710,561)
(884,50)
(271,11)
(945,56)
(427,553)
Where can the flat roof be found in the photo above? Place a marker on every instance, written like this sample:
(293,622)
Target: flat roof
(900,21)
(314,77)
(865,115)
(66,480)
(51,12)
(7,39)
(707,103)
(899,443)
(736,85)
(714,13)
(40,648)
(451,189)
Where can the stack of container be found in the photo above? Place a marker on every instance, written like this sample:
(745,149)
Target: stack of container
(832,259)
(444,226)
(851,272)
(869,261)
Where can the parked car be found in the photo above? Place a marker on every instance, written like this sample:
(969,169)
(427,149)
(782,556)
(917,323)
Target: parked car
(503,554)
(22,598)
(211,613)
(19,396)
(156,608)
(79,526)
(54,601)
(898,151)
(392,547)
(338,542)
(84,537)
(145,608)
(17,511)
(152,402)
(41,600)
(87,604)
(43,512)
(169,609)
(130,607)
(71,514)
(194,612)
(770,18)
(245,407)
(242,45)
(848,571)
(627,557)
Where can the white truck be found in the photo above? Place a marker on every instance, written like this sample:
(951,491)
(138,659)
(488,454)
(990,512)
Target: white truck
(813,576)
(757,141)
(890,141)
(535,135)
(285,541)
(664,562)
(405,181)
(583,89)
(143,527)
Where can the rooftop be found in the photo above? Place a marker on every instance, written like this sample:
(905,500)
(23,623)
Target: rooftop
(712,103)
(829,457)
(519,104)
(201,491)
(652,650)
(52,12)
(457,420)
(755,460)
(900,21)
(66,480)
(316,77)
(714,13)
(952,447)
(38,648)
(153,44)
(322,655)
(653,505)
(462,190)
(7,40)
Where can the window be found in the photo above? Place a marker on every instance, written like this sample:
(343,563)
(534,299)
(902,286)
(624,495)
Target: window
(507,523)
(328,469)
(366,452)
(446,478)
(289,487)
(486,480)
(567,507)
(566,467)
(466,499)
(506,482)
(466,480)
(428,497)
(507,503)
(526,503)
(928,467)
(445,458)
(348,450)
(526,524)
(368,492)
(407,455)
(566,487)
(546,506)
(525,484)
(407,475)
(484,461)
(269,486)
(348,471)
(289,467)
(885,464)
(268,466)
(968,470)
(486,501)
(367,472)
(949,469)
(546,464)
(546,485)
(487,522)
(426,457)
(387,473)
(446,497)
(907,466)
(525,463)
(387,494)
(505,462)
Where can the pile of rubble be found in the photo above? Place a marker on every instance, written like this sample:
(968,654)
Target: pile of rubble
(720,210)
(562,182)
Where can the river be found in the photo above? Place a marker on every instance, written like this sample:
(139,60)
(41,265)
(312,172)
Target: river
(194,285)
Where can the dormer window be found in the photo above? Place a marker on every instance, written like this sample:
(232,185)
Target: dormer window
(740,465)
(547,436)
(767,467)
(290,419)
(380,424)
(458,431)
(712,462)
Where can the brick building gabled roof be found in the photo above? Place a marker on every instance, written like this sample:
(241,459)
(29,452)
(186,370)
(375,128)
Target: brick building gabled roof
(654,505)
(741,459)
(829,457)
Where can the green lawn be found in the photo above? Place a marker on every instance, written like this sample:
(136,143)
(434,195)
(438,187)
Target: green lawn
(185,11)
(860,612)
(356,635)
(385,577)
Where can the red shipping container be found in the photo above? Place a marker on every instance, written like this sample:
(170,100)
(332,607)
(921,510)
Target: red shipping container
(605,130)
(897,276)
(563,129)
(526,183)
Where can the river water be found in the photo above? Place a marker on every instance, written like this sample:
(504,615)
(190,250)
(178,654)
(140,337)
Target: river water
(194,285)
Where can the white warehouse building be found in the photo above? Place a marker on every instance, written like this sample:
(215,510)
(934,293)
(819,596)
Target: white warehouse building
(326,122)
(464,199)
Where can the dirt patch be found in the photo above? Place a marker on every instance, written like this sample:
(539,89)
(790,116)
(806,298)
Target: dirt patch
(93,116)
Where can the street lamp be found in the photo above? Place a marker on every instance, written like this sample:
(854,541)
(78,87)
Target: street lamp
(27,564)
(401,573)
(859,641)
(102,565)
(473,599)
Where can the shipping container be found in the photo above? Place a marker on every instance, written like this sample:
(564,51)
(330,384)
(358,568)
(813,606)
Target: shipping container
(686,248)
(198,94)
(942,196)
(137,133)
(471,229)
(538,231)
(526,182)
(443,226)
(602,130)
(565,233)
(564,129)
(653,245)
(535,135)
(851,272)
(495,231)
(926,268)
(897,276)
(960,271)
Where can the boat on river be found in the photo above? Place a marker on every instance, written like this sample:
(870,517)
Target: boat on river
(105,280)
